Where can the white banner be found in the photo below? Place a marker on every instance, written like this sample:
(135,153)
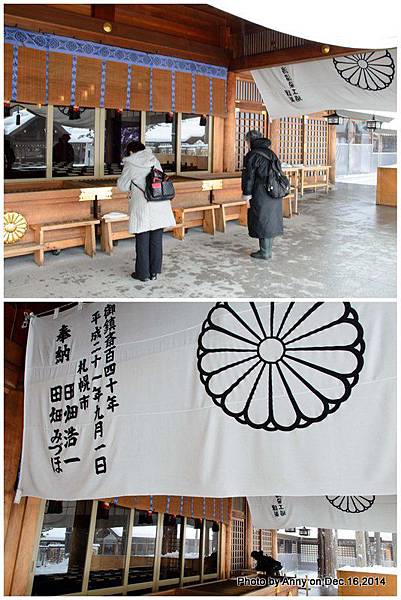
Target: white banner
(359,81)
(361,513)
(198,399)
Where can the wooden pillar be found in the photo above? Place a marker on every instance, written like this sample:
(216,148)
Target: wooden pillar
(361,554)
(394,540)
(275,136)
(327,552)
(20,520)
(248,537)
(274,544)
(304,139)
(218,144)
(378,548)
(229,126)
(331,151)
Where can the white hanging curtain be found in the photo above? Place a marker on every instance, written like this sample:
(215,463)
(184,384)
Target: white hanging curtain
(356,24)
(365,79)
(232,399)
(360,513)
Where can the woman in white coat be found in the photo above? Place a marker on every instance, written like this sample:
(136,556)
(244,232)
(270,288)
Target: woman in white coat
(146,219)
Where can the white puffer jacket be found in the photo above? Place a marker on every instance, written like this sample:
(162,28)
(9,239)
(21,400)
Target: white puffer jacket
(144,215)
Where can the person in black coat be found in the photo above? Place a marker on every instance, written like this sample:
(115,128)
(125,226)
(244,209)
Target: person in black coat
(265,214)
(266,564)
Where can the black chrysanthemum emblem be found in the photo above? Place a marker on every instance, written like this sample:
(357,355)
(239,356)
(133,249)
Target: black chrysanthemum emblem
(280,366)
(372,71)
(351,504)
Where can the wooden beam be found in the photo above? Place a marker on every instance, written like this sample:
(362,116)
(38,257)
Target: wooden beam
(286,57)
(229,126)
(105,12)
(54,20)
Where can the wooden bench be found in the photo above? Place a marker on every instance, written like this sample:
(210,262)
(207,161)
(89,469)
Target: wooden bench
(194,216)
(313,177)
(108,235)
(230,211)
(88,238)
(11,250)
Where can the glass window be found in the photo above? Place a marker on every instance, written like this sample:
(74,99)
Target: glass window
(109,547)
(160,135)
(122,127)
(62,548)
(193,530)
(211,547)
(73,141)
(171,547)
(143,547)
(194,143)
(25,141)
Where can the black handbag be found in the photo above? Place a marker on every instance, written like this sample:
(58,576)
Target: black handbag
(159,187)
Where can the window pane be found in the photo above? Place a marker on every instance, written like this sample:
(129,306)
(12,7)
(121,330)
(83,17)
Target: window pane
(211,549)
(192,548)
(109,547)
(62,548)
(122,127)
(161,137)
(194,143)
(73,142)
(171,546)
(25,142)
(143,547)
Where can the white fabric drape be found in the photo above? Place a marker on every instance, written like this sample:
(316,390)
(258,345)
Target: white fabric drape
(360,80)
(361,513)
(356,24)
(235,399)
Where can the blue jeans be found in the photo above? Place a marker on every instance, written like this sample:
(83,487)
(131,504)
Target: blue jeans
(265,245)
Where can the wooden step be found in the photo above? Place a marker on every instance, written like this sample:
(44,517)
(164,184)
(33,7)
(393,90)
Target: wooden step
(11,250)
(64,225)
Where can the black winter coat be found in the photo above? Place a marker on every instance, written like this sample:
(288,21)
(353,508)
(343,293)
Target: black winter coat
(265,214)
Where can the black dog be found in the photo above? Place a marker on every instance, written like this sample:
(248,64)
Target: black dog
(266,564)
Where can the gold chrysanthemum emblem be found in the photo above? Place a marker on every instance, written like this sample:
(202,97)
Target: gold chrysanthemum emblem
(15,227)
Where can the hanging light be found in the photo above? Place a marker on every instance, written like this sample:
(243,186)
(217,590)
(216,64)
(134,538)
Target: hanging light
(373,124)
(203,121)
(169,520)
(215,527)
(334,119)
(304,531)
(103,510)
(18,117)
(149,518)
(169,117)
(73,112)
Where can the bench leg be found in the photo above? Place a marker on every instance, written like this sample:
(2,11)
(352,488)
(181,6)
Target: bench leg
(179,232)
(110,238)
(243,215)
(209,222)
(103,236)
(90,240)
(39,257)
(221,219)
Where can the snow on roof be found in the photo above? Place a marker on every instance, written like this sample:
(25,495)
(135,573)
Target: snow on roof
(56,533)
(10,125)
(162,131)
